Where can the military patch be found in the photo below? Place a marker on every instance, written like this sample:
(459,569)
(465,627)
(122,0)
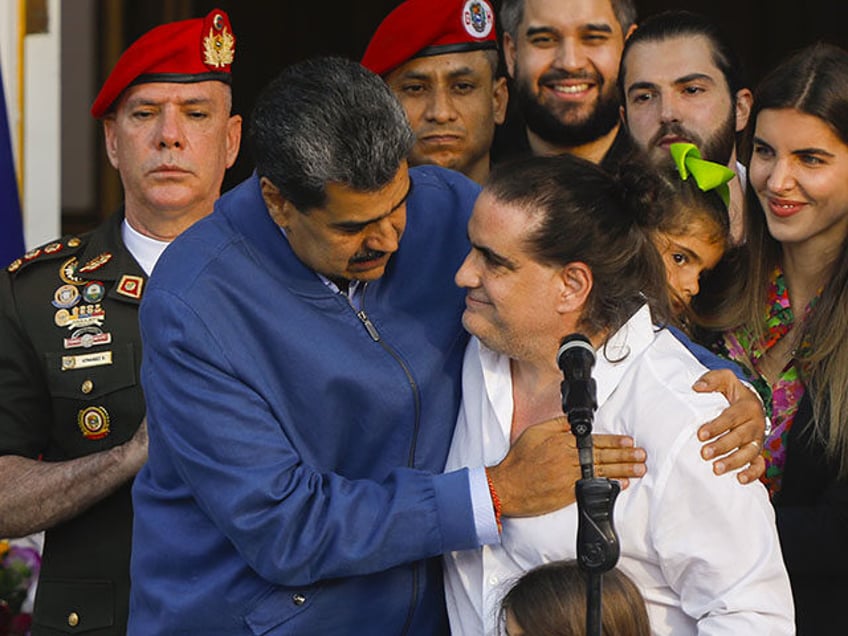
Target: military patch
(93,422)
(93,292)
(130,286)
(68,272)
(96,263)
(86,360)
(87,337)
(14,266)
(477,18)
(80,316)
(66,296)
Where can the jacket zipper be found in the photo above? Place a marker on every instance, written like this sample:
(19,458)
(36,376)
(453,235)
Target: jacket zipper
(375,336)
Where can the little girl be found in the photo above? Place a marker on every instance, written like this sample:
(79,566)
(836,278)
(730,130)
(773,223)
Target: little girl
(685,212)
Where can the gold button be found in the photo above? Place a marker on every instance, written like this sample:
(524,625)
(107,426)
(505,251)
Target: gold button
(87,387)
(74,242)
(73,619)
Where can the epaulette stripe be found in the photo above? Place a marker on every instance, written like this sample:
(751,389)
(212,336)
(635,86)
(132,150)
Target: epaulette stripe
(39,253)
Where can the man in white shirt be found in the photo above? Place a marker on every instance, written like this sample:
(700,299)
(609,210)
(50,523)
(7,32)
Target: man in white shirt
(555,251)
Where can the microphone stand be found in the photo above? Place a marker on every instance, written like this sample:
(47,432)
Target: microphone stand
(597,543)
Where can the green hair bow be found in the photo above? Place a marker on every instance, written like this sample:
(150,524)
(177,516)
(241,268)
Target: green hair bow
(708,174)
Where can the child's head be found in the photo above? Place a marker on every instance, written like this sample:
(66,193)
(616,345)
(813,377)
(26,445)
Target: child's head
(691,234)
(689,225)
(551,600)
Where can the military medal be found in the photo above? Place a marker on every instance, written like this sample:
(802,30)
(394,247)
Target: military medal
(96,263)
(66,296)
(68,272)
(93,292)
(93,422)
(80,316)
(87,337)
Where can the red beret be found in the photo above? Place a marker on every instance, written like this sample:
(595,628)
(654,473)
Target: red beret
(187,51)
(418,28)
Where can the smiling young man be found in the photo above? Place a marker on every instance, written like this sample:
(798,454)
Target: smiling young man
(682,82)
(440,59)
(71,352)
(563,57)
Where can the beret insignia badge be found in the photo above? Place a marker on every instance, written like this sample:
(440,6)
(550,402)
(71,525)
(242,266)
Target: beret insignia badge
(478,18)
(218,48)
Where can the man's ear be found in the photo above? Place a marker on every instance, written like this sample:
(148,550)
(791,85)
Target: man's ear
(500,97)
(509,54)
(744,101)
(577,281)
(111,139)
(233,139)
(279,207)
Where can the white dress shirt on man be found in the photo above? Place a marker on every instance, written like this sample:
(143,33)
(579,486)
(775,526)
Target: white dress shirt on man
(703,549)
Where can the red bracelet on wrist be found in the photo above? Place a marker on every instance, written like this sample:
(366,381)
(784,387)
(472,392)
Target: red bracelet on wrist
(496,501)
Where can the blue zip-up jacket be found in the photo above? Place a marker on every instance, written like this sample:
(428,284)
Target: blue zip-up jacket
(294,478)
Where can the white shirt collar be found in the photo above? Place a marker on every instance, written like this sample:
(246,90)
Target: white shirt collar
(621,350)
(144,249)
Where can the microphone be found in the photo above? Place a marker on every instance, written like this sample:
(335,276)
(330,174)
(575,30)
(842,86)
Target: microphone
(597,542)
(576,358)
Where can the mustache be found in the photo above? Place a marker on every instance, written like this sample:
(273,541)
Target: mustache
(368,255)
(673,128)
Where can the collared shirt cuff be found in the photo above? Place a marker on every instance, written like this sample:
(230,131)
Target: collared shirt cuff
(484,509)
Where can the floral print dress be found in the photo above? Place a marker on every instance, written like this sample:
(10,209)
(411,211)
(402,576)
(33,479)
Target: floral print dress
(781,399)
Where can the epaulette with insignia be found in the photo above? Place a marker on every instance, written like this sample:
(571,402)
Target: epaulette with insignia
(54,249)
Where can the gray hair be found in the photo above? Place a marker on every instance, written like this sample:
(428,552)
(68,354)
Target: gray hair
(328,120)
(512,13)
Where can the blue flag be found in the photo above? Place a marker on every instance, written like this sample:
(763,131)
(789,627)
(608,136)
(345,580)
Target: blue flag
(11,224)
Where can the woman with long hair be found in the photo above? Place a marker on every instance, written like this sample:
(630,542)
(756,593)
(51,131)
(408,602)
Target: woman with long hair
(785,317)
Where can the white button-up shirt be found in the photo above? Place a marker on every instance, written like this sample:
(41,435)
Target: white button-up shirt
(702,549)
